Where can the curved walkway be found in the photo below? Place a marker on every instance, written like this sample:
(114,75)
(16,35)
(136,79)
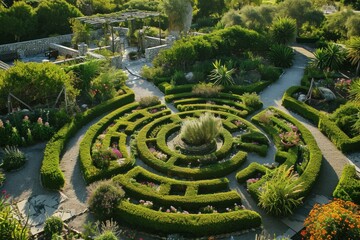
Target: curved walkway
(26,183)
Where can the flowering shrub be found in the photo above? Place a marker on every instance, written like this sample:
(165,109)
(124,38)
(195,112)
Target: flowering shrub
(105,198)
(147,204)
(208,209)
(24,132)
(290,137)
(101,158)
(343,84)
(338,219)
(158,154)
(151,185)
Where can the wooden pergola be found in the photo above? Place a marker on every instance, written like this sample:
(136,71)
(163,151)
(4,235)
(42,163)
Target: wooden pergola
(117,18)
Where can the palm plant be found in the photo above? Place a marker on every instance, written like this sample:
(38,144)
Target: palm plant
(353,52)
(281,55)
(221,75)
(197,132)
(279,194)
(330,58)
(283,30)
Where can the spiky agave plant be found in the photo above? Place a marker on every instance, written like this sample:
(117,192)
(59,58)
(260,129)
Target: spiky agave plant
(279,194)
(197,132)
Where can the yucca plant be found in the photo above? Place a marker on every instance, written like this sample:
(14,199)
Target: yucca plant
(353,52)
(279,194)
(221,75)
(283,30)
(13,158)
(281,55)
(197,132)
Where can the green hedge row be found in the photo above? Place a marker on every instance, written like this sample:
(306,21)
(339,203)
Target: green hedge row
(169,166)
(348,187)
(189,201)
(186,224)
(90,172)
(325,125)
(171,90)
(50,172)
(311,172)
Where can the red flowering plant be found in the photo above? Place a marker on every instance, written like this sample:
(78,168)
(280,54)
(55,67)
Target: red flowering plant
(338,220)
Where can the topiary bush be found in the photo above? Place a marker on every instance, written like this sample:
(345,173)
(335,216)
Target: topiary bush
(104,199)
(348,188)
(53,225)
(200,131)
(13,158)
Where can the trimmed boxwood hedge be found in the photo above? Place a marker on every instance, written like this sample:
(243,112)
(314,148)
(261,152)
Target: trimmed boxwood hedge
(311,172)
(186,89)
(171,165)
(50,172)
(191,201)
(325,125)
(131,122)
(186,224)
(348,187)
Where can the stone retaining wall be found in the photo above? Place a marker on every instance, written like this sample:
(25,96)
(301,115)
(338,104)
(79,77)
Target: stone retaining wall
(153,41)
(33,47)
(150,53)
(64,51)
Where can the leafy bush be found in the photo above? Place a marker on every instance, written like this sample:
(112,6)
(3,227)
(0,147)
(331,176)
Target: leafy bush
(149,101)
(277,195)
(200,131)
(206,90)
(338,219)
(251,100)
(53,225)
(179,78)
(281,55)
(106,85)
(107,235)
(348,188)
(102,157)
(104,199)
(346,117)
(10,226)
(13,158)
(42,82)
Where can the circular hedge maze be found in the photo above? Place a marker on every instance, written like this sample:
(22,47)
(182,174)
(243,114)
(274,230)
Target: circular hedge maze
(173,187)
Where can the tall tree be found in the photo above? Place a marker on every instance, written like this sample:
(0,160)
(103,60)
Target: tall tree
(302,11)
(54,16)
(19,21)
(179,13)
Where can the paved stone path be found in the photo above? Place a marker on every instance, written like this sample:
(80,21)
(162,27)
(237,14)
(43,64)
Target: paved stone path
(25,186)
